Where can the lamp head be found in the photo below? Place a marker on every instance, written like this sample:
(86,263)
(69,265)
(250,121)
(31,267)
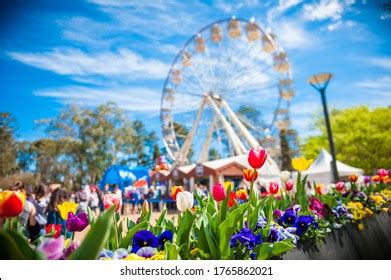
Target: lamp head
(320,81)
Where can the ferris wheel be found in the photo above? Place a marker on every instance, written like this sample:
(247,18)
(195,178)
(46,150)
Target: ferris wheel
(228,89)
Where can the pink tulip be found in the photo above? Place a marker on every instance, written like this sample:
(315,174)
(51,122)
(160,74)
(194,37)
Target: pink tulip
(340,186)
(219,192)
(257,157)
(110,200)
(382,172)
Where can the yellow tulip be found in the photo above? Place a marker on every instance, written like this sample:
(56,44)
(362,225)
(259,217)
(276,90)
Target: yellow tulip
(228,184)
(301,164)
(67,207)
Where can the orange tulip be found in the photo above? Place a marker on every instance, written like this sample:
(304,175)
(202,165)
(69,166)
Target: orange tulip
(376,178)
(353,178)
(11,203)
(175,190)
(250,175)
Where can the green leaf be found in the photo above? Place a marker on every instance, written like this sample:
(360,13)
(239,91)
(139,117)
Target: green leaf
(282,246)
(212,244)
(96,238)
(224,206)
(172,251)
(162,217)
(183,233)
(264,251)
(126,241)
(91,217)
(15,247)
(227,228)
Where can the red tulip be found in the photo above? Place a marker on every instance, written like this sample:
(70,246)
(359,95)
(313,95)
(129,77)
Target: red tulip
(257,157)
(250,175)
(289,185)
(274,187)
(110,200)
(231,201)
(219,192)
(53,228)
(11,203)
(340,186)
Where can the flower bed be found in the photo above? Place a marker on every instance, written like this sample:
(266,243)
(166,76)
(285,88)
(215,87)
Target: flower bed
(349,243)
(290,221)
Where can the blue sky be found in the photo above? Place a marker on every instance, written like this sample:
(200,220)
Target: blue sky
(88,52)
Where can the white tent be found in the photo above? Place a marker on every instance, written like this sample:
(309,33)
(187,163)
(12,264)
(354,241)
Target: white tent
(320,170)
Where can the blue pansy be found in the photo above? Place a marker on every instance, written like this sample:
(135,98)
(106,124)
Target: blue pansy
(289,217)
(246,238)
(164,237)
(303,223)
(144,238)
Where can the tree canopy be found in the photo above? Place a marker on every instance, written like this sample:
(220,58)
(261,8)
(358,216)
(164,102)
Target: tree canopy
(361,135)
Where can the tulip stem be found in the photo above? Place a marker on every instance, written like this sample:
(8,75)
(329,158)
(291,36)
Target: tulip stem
(249,202)
(115,232)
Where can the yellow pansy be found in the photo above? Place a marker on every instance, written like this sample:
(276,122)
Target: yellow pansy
(67,207)
(134,257)
(301,164)
(386,193)
(158,256)
(378,199)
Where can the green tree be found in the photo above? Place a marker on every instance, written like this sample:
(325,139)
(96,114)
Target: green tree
(362,137)
(7,145)
(93,139)
(213,154)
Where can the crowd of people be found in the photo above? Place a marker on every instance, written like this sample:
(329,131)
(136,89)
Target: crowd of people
(41,205)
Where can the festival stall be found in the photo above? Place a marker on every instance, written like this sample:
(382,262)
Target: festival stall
(320,170)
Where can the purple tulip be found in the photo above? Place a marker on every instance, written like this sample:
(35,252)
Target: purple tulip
(71,248)
(367,179)
(77,222)
(53,248)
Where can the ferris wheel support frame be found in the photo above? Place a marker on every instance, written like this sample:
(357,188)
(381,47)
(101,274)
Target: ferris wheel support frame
(243,130)
(205,147)
(184,151)
(236,142)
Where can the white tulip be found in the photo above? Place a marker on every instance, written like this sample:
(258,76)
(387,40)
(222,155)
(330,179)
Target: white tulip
(285,175)
(184,201)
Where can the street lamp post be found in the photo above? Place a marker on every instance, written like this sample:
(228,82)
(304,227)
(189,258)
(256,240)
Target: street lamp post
(320,82)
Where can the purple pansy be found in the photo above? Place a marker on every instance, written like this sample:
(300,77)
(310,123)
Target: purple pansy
(146,252)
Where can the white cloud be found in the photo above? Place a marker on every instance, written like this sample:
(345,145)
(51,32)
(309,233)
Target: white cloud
(325,9)
(379,85)
(384,62)
(143,100)
(293,35)
(74,62)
